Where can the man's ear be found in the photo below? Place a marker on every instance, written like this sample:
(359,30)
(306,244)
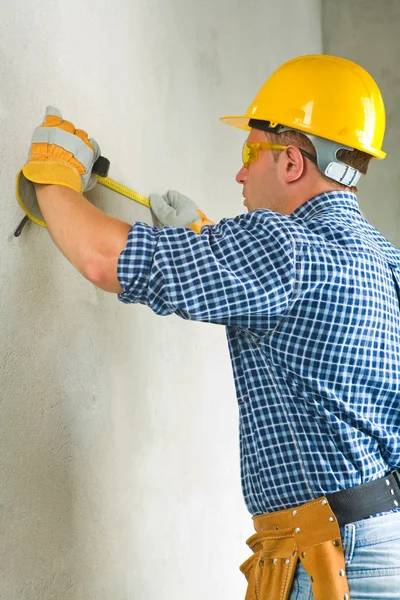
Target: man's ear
(294,164)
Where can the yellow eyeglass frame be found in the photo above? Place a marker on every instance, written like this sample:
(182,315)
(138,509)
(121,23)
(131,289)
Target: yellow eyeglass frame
(251,151)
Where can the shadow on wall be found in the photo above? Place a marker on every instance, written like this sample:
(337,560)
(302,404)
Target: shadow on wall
(61,340)
(36,493)
(54,395)
(37,482)
(57,428)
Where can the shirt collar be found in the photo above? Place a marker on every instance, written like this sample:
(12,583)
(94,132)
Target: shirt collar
(334,201)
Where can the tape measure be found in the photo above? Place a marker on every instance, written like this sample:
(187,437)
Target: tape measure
(122,189)
(100,171)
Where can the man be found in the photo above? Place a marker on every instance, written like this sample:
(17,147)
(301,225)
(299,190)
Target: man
(309,292)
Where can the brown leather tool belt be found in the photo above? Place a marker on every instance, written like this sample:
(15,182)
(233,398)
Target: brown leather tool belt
(310,533)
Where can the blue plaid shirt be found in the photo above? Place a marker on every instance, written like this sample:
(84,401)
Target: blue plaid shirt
(311,307)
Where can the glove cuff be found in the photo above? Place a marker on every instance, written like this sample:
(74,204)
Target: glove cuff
(26,197)
(54,173)
(197,226)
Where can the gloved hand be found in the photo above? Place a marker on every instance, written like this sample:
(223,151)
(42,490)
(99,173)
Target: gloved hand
(60,155)
(177,210)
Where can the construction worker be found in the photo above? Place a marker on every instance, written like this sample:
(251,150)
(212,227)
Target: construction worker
(309,293)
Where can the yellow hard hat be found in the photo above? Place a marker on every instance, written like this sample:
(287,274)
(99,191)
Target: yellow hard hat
(327,96)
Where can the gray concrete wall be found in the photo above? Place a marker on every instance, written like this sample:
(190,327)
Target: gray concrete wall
(119,460)
(368,32)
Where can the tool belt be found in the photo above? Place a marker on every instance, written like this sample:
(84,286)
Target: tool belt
(310,533)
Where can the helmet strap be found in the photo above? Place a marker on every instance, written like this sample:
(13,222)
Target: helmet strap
(326,151)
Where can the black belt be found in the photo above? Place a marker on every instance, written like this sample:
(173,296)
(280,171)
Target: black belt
(362,501)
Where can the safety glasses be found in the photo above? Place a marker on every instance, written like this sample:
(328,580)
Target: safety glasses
(251,151)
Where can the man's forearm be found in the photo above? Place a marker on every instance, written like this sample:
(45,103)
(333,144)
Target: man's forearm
(90,239)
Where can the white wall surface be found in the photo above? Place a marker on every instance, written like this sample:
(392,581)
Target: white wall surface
(368,32)
(119,458)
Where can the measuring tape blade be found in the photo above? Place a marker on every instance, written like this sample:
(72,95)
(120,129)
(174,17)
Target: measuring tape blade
(123,190)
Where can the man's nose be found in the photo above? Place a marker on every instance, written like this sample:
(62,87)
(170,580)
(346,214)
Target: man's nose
(241,177)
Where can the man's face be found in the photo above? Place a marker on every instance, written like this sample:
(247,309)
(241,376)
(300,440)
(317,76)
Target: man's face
(261,185)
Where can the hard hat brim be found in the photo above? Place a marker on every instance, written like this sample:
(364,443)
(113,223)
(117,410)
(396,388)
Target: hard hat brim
(242,122)
(238,122)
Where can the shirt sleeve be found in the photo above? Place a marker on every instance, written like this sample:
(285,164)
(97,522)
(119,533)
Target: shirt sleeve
(239,272)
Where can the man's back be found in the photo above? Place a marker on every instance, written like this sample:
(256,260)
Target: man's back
(319,388)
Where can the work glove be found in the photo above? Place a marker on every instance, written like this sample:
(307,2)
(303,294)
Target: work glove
(59,155)
(177,210)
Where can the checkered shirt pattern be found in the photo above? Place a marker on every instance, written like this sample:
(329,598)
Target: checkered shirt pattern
(310,302)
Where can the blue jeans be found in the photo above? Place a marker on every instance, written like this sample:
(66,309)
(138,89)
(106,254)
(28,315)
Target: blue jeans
(372,555)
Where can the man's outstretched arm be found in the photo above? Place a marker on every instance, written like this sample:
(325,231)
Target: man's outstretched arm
(50,188)
(90,239)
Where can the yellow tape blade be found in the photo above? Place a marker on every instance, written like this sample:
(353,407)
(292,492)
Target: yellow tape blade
(123,190)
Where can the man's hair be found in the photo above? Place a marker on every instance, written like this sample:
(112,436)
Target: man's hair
(354,158)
